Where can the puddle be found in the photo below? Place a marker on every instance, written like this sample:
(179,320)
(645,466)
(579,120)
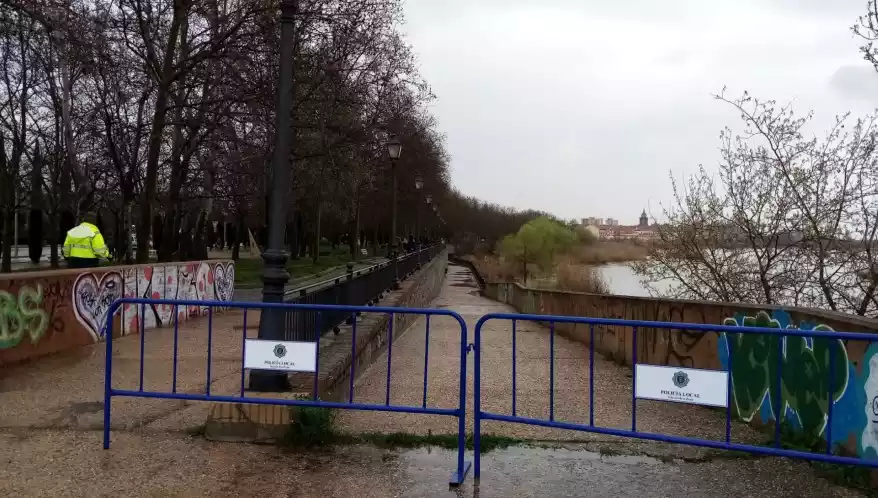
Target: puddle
(535,452)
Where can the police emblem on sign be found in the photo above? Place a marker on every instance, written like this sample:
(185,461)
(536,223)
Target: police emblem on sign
(681,379)
(280,350)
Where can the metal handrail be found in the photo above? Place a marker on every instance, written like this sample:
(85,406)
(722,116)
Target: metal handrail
(364,287)
(317,286)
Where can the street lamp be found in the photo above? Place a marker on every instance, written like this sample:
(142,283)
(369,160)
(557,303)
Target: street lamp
(394,150)
(429,199)
(274,275)
(394,147)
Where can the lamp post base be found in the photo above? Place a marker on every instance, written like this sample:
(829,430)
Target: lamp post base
(273,321)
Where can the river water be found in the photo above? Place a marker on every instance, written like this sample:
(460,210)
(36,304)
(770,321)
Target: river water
(622,280)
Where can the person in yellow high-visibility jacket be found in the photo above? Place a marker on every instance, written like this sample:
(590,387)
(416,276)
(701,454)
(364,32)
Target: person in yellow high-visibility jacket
(84,244)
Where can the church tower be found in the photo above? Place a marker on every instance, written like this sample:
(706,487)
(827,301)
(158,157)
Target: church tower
(644,220)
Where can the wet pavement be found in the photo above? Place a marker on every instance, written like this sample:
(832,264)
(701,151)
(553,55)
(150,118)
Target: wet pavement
(162,464)
(51,419)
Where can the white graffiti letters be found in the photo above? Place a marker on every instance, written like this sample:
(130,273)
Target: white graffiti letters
(92,298)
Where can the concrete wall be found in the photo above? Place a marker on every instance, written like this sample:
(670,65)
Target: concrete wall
(805,364)
(47,312)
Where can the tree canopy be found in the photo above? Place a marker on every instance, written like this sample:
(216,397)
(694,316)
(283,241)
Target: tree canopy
(160,115)
(537,242)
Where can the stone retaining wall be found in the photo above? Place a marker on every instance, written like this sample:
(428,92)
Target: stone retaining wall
(45,312)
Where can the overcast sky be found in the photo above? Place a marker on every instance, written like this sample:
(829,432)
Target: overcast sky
(584,107)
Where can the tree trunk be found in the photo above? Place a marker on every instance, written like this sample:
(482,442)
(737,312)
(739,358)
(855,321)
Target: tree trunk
(52,237)
(300,235)
(8,219)
(199,247)
(159,119)
(292,241)
(354,233)
(315,255)
(375,248)
(239,237)
(169,239)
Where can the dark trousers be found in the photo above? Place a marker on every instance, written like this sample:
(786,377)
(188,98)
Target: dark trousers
(82,262)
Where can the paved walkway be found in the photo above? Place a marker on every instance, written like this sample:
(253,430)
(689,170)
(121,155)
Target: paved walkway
(51,416)
(612,383)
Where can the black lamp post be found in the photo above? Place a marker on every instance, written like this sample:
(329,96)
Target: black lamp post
(394,149)
(419,184)
(275,276)
(429,200)
(436,216)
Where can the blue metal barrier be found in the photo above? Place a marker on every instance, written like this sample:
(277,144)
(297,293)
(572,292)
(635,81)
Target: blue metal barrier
(459,411)
(646,327)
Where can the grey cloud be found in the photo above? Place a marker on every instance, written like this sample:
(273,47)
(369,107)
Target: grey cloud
(856,82)
(583,107)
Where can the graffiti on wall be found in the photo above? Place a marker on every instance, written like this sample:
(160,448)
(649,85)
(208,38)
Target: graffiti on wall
(22,315)
(46,312)
(224,281)
(92,297)
(787,376)
(805,381)
(198,281)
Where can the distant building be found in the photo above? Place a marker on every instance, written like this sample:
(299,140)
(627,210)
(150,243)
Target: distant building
(612,230)
(592,221)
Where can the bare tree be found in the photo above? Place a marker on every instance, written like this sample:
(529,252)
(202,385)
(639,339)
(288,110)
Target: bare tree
(786,223)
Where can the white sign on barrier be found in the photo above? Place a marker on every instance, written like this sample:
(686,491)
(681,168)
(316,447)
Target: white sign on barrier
(288,356)
(682,385)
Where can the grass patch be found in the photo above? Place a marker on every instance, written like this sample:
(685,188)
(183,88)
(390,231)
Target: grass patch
(566,274)
(310,426)
(490,442)
(315,427)
(851,476)
(248,272)
(606,451)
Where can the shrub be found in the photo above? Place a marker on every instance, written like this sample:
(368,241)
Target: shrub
(492,269)
(606,251)
(311,426)
(571,276)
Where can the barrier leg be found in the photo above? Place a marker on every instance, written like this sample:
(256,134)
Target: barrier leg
(462,467)
(108,374)
(477,405)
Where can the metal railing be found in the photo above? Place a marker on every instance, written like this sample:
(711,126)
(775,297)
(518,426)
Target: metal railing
(826,342)
(362,287)
(175,393)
